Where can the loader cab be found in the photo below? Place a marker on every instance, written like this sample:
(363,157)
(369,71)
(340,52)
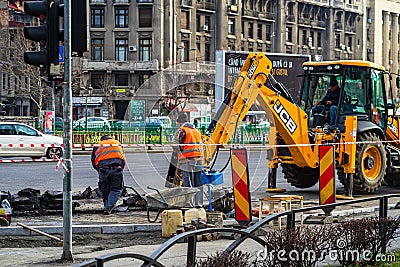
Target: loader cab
(362,91)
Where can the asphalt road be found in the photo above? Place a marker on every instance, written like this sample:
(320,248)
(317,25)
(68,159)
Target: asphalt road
(143,169)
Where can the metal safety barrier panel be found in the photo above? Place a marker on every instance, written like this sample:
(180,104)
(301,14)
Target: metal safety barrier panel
(327,188)
(241,185)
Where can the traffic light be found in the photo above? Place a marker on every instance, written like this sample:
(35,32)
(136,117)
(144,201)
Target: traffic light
(48,34)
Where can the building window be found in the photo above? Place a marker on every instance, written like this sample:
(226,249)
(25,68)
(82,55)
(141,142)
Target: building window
(207,52)
(198,52)
(319,39)
(289,34)
(121,79)
(261,5)
(337,40)
(268,33)
(207,23)
(350,42)
(121,17)
(311,39)
(121,49)
(198,25)
(185,20)
(185,51)
(251,30)
(231,26)
(304,38)
(259,31)
(97,18)
(97,80)
(145,16)
(145,49)
(97,47)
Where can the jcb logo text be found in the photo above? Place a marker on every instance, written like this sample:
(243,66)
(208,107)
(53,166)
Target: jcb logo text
(285,117)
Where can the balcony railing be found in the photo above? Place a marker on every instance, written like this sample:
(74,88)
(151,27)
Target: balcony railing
(291,18)
(338,25)
(354,8)
(206,4)
(250,13)
(338,4)
(151,65)
(350,29)
(186,3)
(304,21)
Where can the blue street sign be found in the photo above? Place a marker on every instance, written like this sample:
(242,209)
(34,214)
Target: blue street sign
(61,54)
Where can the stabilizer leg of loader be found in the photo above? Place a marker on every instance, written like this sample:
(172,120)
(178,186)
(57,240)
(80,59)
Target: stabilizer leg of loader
(272,182)
(348,188)
(349,185)
(271,178)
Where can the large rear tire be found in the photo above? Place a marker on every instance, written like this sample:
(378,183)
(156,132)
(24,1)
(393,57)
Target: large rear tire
(300,177)
(370,164)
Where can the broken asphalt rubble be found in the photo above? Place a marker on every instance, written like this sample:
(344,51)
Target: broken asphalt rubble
(30,200)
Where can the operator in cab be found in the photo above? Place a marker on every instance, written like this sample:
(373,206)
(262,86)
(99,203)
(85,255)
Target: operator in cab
(329,102)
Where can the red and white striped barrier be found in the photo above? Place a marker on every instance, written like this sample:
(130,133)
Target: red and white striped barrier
(30,145)
(266,146)
(26,160)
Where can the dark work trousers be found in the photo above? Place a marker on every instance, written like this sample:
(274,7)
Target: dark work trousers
(191,177)
(111,182)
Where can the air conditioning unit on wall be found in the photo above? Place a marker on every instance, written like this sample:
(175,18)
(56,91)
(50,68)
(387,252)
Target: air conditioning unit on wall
(205,28)
(132,48)
(370,50)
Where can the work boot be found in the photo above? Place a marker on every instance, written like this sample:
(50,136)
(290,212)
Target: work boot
(108,211)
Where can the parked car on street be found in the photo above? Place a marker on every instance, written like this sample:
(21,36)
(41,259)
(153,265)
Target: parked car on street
(165,121)
(150,122)
(20,140)
(93,123)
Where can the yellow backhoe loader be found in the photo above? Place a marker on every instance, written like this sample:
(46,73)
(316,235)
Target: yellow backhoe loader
(364,133)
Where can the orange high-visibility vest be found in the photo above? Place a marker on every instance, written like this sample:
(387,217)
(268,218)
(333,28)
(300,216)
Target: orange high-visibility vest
(108,152)
(192,147)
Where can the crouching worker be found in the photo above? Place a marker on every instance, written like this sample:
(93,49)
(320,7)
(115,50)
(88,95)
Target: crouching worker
(190,156)
(109,160)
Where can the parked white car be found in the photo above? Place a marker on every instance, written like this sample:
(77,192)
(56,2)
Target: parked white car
(20,140)
(93,123)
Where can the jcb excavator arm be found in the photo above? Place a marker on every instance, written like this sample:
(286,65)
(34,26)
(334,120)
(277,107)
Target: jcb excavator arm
(289,120)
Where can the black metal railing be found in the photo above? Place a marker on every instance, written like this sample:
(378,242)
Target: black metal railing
(250,232)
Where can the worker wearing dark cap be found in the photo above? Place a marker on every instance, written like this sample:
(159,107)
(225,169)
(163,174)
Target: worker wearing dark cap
(190,156)
(329,102)
(109,160)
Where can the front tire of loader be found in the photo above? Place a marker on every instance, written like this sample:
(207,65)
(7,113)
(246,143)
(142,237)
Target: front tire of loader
(300,177)
(370,163)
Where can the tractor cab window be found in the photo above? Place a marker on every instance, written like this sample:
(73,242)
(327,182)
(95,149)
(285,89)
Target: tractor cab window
(378,110)
(354,91)
(315,88)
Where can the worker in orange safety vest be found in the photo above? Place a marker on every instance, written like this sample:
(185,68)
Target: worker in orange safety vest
(188,145)
(109,160)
